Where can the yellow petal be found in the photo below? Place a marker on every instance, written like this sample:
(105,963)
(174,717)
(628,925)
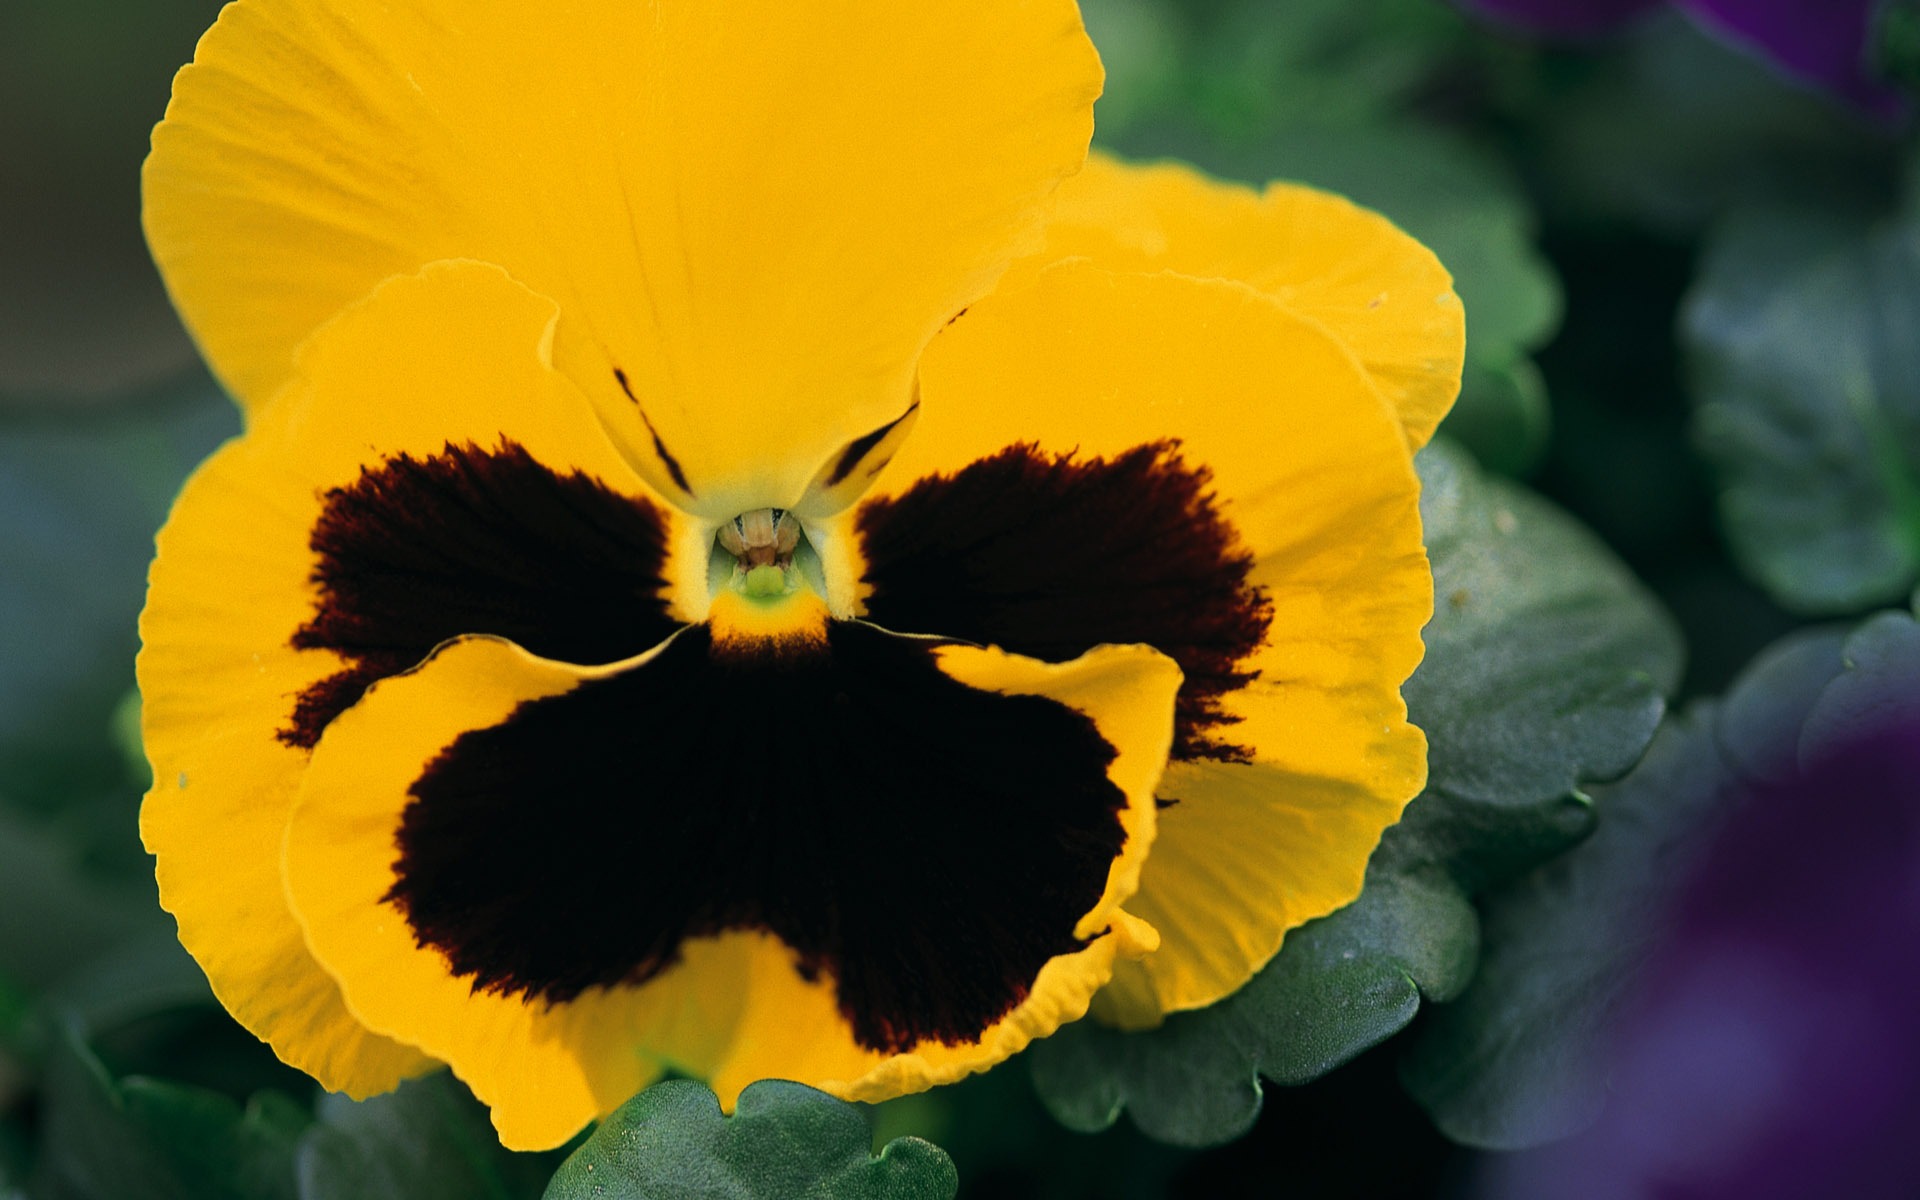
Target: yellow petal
(1313,472)
(734,1004)
(1371,286)
(791,1029)
(451,356)
(757,212)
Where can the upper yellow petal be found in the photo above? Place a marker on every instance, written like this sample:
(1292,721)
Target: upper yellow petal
(1350,270)
(756,213)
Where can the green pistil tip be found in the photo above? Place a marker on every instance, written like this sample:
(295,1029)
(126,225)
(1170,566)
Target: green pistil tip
(764,583)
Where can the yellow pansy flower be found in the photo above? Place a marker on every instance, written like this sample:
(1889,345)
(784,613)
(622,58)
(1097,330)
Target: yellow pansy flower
(734,566)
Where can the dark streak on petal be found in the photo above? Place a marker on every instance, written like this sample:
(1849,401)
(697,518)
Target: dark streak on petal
(660,451)
(472,541)
(925,845)
(860,447)
(1051,556)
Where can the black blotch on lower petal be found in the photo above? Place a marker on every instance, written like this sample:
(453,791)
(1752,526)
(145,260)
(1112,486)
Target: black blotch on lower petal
(1049,556)
(926,845)
(472,541)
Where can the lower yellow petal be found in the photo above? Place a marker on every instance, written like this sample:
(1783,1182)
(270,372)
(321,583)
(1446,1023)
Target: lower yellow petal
(1250,851)
(733,1004)
(544,1070)
(788,1030)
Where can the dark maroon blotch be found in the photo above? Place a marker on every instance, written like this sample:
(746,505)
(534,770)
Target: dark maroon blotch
(925,845)
(472,541)
(1051,555)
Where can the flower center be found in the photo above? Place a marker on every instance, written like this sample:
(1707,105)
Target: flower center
(766,578)
(762,543)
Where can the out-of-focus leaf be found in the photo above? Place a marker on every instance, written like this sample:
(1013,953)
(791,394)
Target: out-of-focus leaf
(80,499)
(1761,719)
(1264,66)
(1503,414)
(144,1139)
(1897,48)
(1669,125)
(82,312)
(1142,46)
(783,1142)
(134,979)
(1806,369)
(1880,689)
(430,1140)
(1546,666)
(54,915)
(1547,660)
(1516,1060)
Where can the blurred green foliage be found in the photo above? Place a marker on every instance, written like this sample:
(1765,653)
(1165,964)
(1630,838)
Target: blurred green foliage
(1804,333)
(1691,298)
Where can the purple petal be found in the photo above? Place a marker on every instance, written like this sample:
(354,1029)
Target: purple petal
(1772,1053)
(1823,42)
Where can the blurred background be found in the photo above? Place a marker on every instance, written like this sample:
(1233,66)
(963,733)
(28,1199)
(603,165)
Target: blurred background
(1694,324)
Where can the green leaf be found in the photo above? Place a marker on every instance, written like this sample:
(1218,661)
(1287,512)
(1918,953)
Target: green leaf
(145,1139)
(55,915)
(1880,688)
(783,1142)
(1264,66)
(1516,1060)
(430,1140)
(1141,46)
(1547,660)
(80,499)
(1897,42)
(1545,670)
(1339,986)
(1673,125)
(1761,719)
(135,979)
(1502,413)
(1806,371)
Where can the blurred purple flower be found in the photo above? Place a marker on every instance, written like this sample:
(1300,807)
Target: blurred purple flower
(1772,1050)
(1827,43)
